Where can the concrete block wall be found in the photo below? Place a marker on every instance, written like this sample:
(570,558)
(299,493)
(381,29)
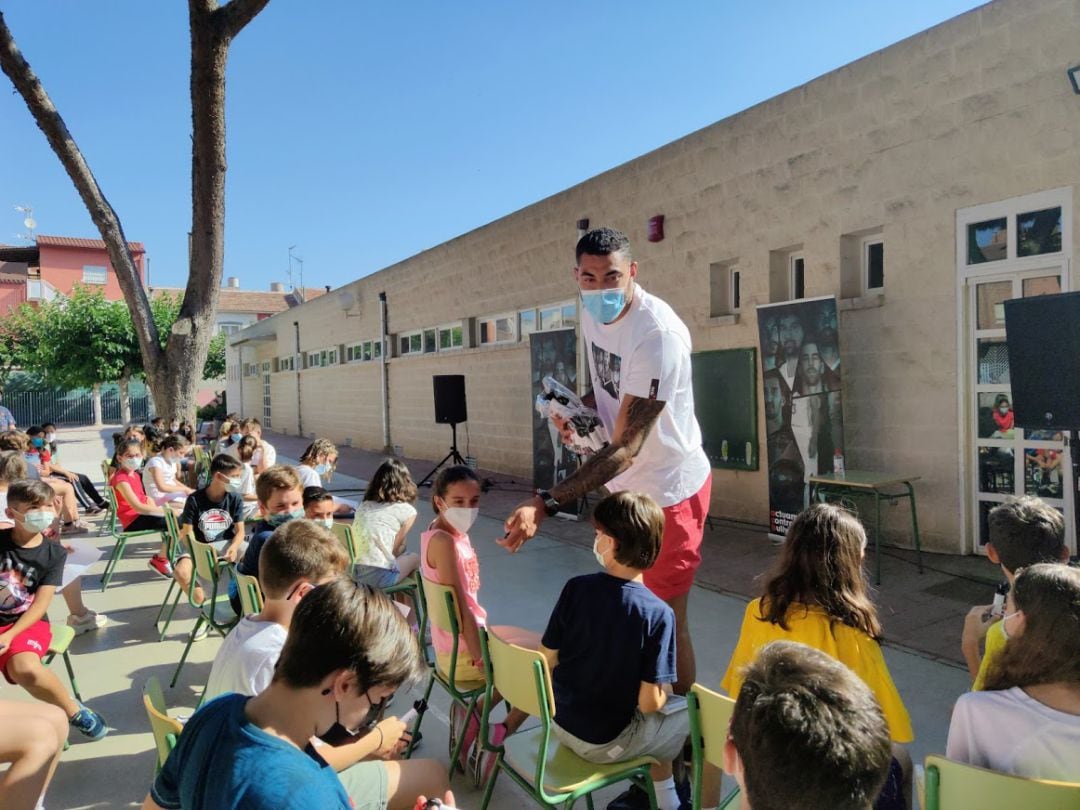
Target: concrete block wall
(975,110)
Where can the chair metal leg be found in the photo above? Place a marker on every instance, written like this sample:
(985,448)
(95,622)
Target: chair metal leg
(187,648)
(459,744)
(71,677)
(114,559)
(491,782)
(172,610)
(915,525)
(164,602)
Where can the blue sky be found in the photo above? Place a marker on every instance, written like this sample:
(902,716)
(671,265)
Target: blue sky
(366,132)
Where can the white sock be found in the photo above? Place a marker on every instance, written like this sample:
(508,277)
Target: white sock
(666,796)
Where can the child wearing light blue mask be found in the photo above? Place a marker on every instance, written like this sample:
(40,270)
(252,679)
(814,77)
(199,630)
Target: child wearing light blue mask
(318,460)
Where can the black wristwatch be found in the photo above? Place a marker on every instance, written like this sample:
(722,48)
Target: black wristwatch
(551,506)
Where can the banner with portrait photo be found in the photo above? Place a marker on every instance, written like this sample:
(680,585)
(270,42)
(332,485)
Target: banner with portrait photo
(553,354)
(800,373)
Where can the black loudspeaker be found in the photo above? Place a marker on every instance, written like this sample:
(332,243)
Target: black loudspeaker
(450,399)
(1044,360)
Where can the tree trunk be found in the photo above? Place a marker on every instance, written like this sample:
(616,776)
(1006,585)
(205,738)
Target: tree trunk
(95,399)
(173,373)
(125,401)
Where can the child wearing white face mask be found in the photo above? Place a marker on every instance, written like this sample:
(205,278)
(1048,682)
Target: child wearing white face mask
(447,557)
(319,459)
(159,474)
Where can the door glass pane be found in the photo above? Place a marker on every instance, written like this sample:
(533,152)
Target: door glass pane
(990,301)
(987,241)
(1043,285)
(984,521)
(996,470)
(993,361)
(995,416)
(1038,232)
(1042,473)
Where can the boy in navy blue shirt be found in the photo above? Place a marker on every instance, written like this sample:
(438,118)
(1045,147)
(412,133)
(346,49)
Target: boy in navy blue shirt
(610,642)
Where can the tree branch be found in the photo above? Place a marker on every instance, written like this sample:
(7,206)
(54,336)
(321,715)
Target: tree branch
(237,14)
(101,212)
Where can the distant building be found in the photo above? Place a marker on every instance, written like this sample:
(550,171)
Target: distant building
(53,265)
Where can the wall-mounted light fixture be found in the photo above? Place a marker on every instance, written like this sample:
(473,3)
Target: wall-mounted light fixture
(1074,77)
(656,228)
(347,300)
(582,227)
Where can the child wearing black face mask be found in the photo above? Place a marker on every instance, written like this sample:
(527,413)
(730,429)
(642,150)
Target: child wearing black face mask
(261,746)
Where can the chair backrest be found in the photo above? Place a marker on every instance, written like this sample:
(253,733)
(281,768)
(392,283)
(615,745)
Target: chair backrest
(521,676)
(713,714)
(361,536)
(441,615)
(251,597)
(105,462)
(344,534)
(205,558)
(172,534)
(165,728)
(957,786)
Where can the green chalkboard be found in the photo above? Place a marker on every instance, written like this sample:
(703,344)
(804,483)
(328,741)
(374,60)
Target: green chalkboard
(725,398)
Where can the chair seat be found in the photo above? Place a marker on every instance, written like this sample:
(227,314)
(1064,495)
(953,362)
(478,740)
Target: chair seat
(61,639)
(566,771)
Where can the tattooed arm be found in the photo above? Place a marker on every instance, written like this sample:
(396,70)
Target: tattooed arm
(635,420)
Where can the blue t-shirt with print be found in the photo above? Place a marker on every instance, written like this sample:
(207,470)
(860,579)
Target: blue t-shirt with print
(223,761)
(611,634)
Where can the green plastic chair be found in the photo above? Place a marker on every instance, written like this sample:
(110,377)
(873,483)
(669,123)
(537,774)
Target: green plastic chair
(551,775)
(173,545)
(166,729)
(108,520)
(62,636)
(445,615)
(215,611)
(356,541)
(956,786)
(251,597)
(710,716)
(120,539)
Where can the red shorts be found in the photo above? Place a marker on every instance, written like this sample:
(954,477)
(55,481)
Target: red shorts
(680,551)
(35,639)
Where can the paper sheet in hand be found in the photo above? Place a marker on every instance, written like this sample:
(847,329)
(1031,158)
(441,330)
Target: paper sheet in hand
(82,557)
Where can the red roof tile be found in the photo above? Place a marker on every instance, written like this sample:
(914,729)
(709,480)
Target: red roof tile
(71,242)
(233,300)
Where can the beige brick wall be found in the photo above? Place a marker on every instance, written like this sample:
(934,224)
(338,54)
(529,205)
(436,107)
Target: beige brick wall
(975,110)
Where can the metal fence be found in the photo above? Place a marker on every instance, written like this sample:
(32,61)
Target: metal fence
(72,408)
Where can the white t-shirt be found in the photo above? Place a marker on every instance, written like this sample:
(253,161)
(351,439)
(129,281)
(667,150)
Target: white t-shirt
(245,661)
(168,475)
(647,354)
(1011,732)
(266,451)
(308,476)
(382,522)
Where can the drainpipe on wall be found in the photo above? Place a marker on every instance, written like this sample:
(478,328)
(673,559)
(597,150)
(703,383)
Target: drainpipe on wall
(299,365)
(388,448)
(240,362)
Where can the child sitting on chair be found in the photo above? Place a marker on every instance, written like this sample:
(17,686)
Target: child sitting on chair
(611,646)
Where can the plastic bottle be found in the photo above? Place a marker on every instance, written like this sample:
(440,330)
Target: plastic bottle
(838,463)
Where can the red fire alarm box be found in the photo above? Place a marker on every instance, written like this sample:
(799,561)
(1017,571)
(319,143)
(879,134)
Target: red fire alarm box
(656,228)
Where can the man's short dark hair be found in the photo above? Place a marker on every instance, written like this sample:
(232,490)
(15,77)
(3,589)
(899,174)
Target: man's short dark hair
(603,242)
(636,523)
(316,495)
(224,463)
(342,625)
(809,732)
(1025,531)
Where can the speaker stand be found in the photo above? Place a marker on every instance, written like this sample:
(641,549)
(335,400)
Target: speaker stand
(453,455)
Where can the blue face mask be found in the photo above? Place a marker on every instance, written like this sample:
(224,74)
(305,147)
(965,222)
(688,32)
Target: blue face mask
(322,469)
(37,442)
(603,306)
(284,517)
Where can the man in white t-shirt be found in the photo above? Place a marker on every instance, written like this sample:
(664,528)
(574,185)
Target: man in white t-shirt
(638,352)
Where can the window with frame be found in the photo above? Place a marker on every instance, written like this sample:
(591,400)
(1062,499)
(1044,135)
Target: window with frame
(527,322)
(451,337)
(431,341)
(410,343)
(229,328)
(314,359)
(725,291)
(873,263)
(94,274)
(497,329)
(558,316)
(332,357)
(376,349)
(797,266)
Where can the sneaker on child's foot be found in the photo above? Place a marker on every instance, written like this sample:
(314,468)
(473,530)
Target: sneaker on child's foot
(89,722)
(160,566)
(633,799)
(76,527)
(87,622)
(201,633)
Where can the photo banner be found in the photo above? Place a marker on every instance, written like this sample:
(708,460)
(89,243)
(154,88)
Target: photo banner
(553,354)
(800,378)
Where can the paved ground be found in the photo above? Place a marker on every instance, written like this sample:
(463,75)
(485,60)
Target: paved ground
(113,664)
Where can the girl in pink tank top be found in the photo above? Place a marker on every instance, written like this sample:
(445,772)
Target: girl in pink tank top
(448,558)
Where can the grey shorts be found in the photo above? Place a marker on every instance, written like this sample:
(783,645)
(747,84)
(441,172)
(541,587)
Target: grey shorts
(659,734)
(367,785)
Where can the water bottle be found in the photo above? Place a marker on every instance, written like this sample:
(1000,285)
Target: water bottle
(838,463)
